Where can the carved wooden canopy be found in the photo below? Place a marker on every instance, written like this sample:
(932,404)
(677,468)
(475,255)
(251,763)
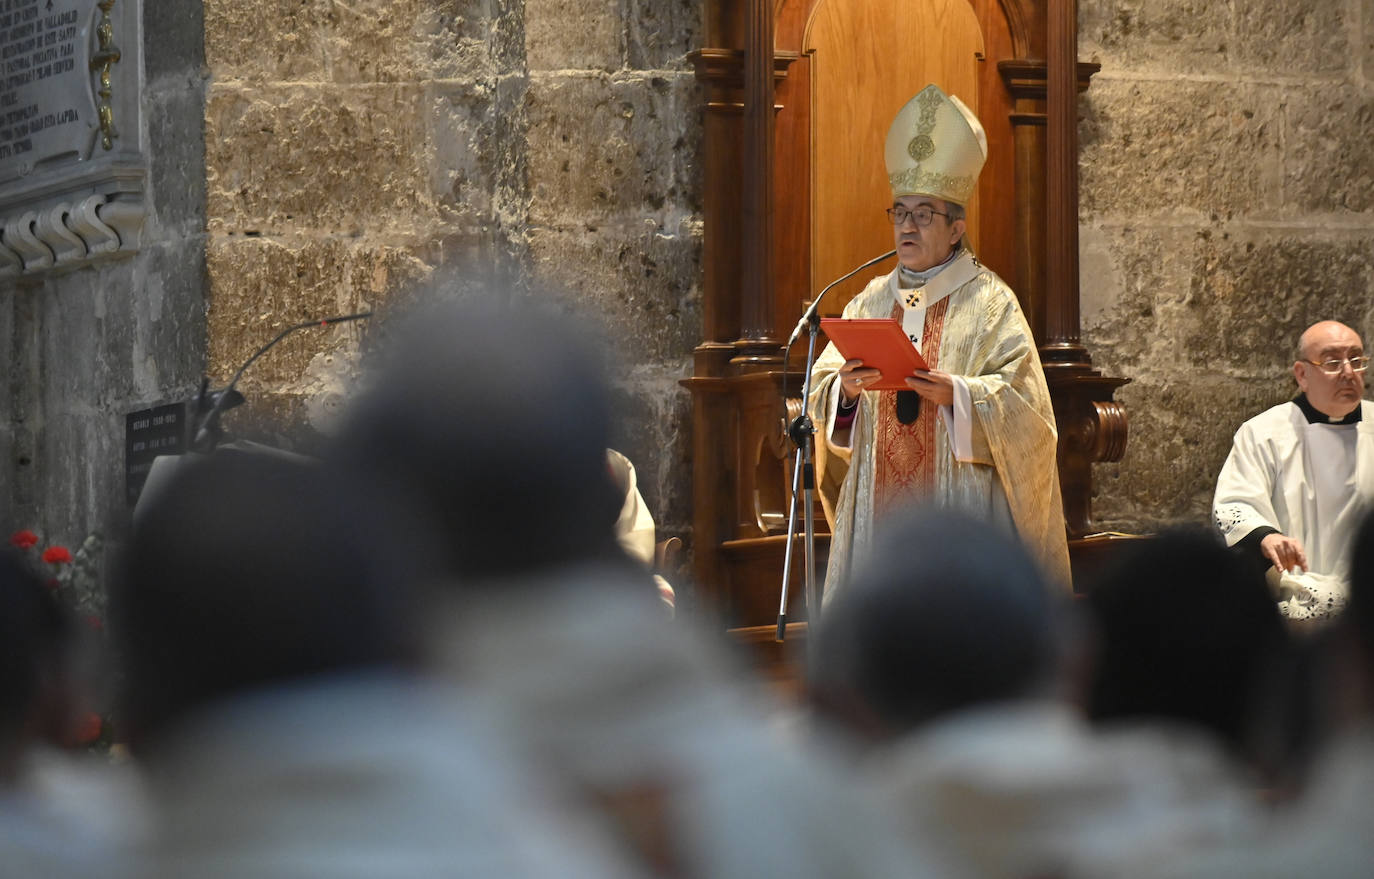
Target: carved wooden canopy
(798,96)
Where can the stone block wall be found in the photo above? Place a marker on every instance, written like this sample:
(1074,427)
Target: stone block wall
(312,157)
(83,349)
(356,150)
(1226,203)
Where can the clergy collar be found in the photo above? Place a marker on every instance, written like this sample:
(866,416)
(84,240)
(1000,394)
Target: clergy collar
(1315,417)
(941,281)
(911,278)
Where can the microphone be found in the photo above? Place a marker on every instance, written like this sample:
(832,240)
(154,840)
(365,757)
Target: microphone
(908,406)
(815,303)
(207,432)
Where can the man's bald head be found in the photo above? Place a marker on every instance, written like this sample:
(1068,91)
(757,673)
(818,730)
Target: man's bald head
(1314,335)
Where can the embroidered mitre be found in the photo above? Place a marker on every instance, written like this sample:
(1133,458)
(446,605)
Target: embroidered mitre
(935,147)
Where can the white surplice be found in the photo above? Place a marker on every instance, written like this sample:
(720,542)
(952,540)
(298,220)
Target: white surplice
(353,777)
(1019,789)
(648,725)
(1324,834)
(1309,481)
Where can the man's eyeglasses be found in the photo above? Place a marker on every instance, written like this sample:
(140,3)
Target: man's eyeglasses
(1333,367)
(921,215)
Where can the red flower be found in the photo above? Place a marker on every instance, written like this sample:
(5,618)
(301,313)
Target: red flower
(87,730)
(23,539)
(56,555)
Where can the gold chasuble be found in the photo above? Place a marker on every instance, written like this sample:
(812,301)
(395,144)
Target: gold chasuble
(973,328)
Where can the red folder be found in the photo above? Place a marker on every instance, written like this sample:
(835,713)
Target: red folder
(881,344)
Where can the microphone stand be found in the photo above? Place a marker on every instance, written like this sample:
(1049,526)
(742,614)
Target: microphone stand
(207,432)
(803,434)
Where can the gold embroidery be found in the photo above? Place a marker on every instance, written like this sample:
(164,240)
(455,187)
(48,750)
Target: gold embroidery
(921,147)
(930,102)
(905,453)
(914,180)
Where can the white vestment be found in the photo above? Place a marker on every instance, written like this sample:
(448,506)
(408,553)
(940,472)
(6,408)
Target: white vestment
(648,724)
(353,777)
(66,816)
(1028,789)
(634,527)
(991,454)
(1324,834)
(1309,481)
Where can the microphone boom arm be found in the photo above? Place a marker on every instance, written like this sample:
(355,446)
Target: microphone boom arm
(802,432)
(816,303)
(202,428)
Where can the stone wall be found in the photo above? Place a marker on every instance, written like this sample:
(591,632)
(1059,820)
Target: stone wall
(83,349)
(354,148)
(1226,203)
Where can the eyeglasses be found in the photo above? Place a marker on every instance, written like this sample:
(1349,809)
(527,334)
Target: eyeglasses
(921,215)
(1333,367)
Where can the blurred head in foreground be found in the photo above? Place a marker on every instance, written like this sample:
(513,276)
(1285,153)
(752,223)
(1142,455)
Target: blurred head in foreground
(36,635)
(1355,631)
(1185,632)
(248,571)
(948,614)
(486,425)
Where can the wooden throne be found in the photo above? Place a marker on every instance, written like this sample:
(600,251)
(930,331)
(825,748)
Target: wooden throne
(798,95)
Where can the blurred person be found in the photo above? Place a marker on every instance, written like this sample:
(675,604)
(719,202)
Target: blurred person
(60,815)
(1325,833)
(1290,494)
(976,430)
(269,694)
(487,428)
(1189,644)
(951,662)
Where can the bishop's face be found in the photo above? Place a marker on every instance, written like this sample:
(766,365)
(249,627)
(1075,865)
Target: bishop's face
(1336,395)
(925,247)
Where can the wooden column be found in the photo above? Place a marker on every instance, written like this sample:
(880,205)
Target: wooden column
(738,458)
(1026,81)
(1061,342)
(758,342)
(1092,426)
(720,71)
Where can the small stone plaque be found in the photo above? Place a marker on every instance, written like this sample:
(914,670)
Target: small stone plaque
(149,433)
(48,107)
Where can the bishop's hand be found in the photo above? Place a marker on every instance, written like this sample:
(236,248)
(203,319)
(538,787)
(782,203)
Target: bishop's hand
(933,385)
(854,377)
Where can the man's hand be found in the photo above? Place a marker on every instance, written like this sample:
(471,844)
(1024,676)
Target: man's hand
(933,385)
(854,377)
(1285,552)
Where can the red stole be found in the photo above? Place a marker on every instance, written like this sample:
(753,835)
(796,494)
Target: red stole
(905,459)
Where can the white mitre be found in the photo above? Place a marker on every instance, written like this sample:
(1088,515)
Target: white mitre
(935,147)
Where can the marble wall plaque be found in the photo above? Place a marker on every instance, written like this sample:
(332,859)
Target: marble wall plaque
(48,107)
(72,142)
